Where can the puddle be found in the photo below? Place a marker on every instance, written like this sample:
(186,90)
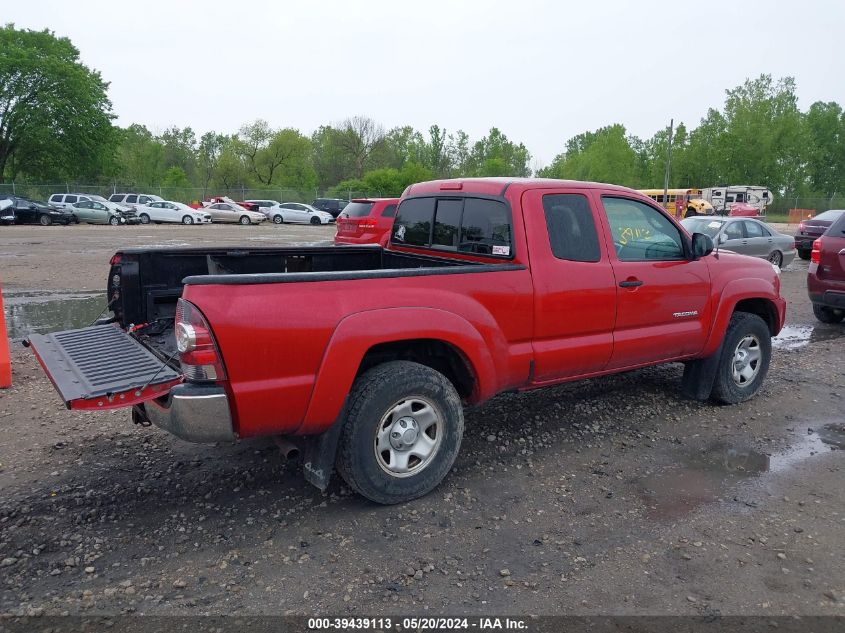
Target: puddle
(794,337)
(710,476)
(41,312)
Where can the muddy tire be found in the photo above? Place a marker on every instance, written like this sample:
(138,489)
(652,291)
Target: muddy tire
(746,354)
(828,315)
(403,429)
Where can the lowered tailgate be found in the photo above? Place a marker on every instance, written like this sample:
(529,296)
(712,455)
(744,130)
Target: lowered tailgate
(101,367)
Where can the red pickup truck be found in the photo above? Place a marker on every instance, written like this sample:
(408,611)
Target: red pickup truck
(367,354)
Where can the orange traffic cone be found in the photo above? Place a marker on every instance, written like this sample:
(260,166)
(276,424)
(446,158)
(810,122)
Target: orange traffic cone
(5,359)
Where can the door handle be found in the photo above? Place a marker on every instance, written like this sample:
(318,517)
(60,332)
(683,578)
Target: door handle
(630,283)
(745,241)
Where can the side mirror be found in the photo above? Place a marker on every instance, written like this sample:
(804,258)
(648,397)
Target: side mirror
(702,245)
(723,237)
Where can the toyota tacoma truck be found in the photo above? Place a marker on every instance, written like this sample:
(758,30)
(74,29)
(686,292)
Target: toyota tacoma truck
(367,355)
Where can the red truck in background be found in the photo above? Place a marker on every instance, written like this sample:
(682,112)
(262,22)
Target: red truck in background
(367,354)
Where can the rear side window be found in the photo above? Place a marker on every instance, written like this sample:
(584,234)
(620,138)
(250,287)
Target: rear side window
(56,197)
(572,228)
(70,198)
(389,211)
(116,197)
(358,209)
(132,199)
(413,222)
(468,225)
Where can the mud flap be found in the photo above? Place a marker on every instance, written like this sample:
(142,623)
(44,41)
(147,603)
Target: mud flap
(320,454)
(101,367)
(700,375)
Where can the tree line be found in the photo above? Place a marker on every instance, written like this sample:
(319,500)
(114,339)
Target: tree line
(57,125)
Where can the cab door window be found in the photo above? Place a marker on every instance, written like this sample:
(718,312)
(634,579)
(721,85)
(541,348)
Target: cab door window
(641,232)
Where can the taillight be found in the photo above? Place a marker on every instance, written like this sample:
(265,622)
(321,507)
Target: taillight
(816,255)
(198,354)
(115,259)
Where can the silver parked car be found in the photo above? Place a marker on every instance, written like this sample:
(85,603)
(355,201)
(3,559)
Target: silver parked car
(746,236)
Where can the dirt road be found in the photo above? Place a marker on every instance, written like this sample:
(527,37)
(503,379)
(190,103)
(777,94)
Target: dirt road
(611,496)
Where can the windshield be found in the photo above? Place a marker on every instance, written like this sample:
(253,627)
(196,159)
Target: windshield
(708,226)
(358,209)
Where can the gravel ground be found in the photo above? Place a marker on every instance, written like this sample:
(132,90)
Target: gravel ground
(609,496)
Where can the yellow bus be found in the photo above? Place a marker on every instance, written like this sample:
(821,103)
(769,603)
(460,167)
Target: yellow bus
(681,203)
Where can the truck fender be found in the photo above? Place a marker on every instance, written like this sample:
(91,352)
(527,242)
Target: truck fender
(358,332)
(734,292)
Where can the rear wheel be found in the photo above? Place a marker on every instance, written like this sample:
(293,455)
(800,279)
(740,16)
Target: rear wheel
(315,220)
(828,315)
(776,258)
(744,363)
(403,429)
(45,220)
(244,220)
(186,219)
(144,218)
(278,219)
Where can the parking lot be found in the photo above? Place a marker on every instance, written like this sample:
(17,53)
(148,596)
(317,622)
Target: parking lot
(609,496)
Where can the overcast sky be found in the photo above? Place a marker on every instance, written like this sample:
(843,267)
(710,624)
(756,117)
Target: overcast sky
(540,71)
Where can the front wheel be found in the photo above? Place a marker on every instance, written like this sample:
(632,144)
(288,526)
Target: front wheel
(776,258)
(144,218)
(744,363)
(315,220)
(278,219)
(114,220)
(45,220)
(402,431)
(186,219)
(828,315)
(244,220)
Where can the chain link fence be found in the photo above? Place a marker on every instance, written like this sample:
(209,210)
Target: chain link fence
(187,195)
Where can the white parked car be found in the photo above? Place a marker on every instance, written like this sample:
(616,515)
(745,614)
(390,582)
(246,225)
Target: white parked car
(169,211)
(233,212)
(297,213)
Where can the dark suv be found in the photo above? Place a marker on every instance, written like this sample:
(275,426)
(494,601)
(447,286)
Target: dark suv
(330,205)
(826,278)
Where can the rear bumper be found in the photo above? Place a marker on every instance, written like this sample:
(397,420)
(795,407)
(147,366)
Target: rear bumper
(828,298)
(805,242)
(195,413)
(366,238)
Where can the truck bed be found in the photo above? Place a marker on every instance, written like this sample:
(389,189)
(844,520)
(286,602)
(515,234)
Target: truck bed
(144,284)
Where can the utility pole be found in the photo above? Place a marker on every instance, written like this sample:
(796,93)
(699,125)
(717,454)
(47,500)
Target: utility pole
(668,164)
